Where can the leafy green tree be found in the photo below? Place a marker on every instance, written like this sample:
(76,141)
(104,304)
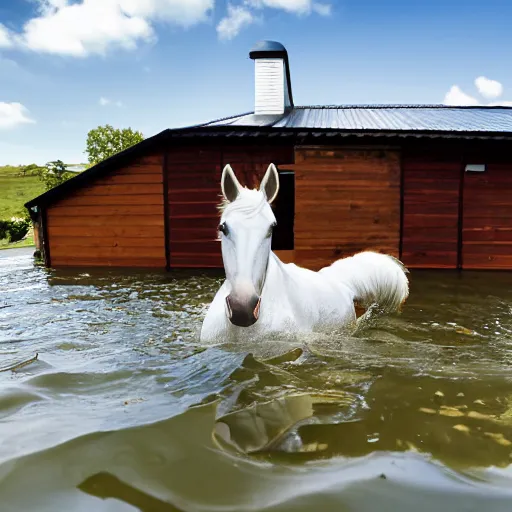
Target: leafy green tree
(17,229)
(105,141)
(54,173)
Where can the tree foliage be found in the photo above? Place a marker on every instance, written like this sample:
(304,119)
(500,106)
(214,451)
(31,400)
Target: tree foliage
(105,141)
(15,229)
(54,173)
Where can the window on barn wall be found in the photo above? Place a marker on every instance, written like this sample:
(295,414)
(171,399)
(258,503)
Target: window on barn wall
(284,211)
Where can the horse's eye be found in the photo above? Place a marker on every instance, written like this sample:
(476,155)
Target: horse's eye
(223,228)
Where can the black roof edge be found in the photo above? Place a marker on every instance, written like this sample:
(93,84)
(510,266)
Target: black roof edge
(95,171)
(362,131)
(99,169)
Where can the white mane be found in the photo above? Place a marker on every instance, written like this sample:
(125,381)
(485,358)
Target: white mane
(249,203)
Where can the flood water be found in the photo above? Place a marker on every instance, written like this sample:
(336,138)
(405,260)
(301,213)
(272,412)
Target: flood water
(124,410)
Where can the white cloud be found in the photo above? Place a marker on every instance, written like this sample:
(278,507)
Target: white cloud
(181,12)
(488,88)
(5,37)
(237,18)
(322,9)
(240,16)
(81,29)
(93,26)
(105,101)
(503,103)
(293,6)
(48,6)
(455,96)
(85,27)
(13,114)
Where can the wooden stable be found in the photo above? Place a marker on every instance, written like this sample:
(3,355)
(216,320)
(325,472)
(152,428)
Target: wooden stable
(429,184)
(156,205)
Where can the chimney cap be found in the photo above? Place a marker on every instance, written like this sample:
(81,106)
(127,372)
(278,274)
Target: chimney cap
(268,49)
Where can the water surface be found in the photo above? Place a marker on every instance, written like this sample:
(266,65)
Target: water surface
(124,410)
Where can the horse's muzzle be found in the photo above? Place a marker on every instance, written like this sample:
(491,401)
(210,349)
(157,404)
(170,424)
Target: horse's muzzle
(243,313)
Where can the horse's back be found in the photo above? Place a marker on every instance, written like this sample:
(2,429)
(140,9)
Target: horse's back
(316,297)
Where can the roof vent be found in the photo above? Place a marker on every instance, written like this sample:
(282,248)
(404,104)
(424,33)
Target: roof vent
(273,88)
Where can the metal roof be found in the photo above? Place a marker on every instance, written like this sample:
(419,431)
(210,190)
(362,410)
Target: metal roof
(396,118)
(332,123)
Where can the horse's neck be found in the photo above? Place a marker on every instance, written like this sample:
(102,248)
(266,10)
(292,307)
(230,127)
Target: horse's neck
(274,280)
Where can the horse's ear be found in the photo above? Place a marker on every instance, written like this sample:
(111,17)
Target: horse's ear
(229,184)
(270,183)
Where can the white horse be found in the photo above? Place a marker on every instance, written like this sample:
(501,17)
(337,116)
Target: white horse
(262,296)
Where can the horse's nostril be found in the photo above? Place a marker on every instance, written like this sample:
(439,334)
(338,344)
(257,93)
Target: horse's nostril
(243,313)
(230,311)
(256,311)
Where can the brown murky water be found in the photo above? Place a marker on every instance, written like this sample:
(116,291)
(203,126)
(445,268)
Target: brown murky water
(123,410)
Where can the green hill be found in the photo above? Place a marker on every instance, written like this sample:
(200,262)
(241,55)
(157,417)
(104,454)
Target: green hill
(16,190)
(18,186)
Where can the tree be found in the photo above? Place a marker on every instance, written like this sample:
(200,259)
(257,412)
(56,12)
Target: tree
(54,173)
(105,141)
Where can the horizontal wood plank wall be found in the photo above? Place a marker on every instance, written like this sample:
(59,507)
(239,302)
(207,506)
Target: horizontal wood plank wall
(250,162)
(194,195)
(347,200)
(117,220)
(487,219)
(431,208)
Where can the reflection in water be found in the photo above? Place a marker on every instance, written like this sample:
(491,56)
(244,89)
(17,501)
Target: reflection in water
(124,410)
(459,422)
(104,485)
(262,426)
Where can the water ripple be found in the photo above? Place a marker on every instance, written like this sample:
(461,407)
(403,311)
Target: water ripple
(123,402)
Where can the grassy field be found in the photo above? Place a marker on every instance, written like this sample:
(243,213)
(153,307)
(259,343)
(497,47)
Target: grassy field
(16,190)
(28,242)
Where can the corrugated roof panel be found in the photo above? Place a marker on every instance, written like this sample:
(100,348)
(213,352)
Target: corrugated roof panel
(393,118)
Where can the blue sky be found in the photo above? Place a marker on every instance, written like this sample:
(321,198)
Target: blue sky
(67,66)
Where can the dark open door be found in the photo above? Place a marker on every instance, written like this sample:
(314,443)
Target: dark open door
(284,210)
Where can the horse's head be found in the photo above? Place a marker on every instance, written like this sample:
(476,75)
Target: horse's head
(245,229)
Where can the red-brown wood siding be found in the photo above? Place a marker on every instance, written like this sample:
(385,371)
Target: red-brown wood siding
(431,182)
(487,219)
(194,194)
(346,200)
(117,220)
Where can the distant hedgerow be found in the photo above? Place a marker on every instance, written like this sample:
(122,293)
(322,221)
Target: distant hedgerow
(15,229)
